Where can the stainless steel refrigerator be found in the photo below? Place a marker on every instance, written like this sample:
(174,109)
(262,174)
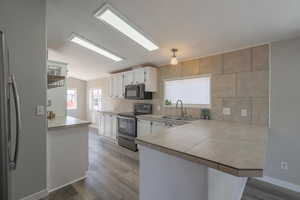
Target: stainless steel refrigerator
(10,122)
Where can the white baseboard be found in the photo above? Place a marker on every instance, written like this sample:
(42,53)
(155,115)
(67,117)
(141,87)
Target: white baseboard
(71,182)
(37,196)
(281,183)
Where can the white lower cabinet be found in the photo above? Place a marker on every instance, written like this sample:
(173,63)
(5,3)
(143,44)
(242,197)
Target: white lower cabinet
(114,127)
(145,127)
(108,125)
(101,124)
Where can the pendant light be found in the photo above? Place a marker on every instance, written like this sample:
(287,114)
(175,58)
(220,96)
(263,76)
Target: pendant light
(174,60)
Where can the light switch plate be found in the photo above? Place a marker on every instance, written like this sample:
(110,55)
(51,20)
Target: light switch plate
(158,107)
(244,113)
(49,102)
(40,110)
(284,165)
(226,111)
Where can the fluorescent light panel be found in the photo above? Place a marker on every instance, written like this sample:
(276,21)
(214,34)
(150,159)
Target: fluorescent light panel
(85,43)
(109,16)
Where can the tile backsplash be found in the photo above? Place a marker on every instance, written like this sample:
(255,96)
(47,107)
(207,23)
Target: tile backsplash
(240,83)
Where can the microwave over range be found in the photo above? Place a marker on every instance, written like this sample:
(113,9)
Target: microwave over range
(137,92)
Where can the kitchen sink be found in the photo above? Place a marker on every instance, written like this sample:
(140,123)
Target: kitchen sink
(186,118)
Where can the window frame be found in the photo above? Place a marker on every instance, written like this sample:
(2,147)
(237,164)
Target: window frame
(190,77)
(76,99)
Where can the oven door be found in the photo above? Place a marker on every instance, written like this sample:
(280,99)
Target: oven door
(127,127)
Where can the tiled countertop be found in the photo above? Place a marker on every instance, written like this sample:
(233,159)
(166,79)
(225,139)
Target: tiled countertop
(60,122)
(234,148)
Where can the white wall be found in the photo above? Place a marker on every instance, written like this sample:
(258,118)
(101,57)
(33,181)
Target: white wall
(58,97)
(72,143)
(284,137)
(24,23)
(80,86)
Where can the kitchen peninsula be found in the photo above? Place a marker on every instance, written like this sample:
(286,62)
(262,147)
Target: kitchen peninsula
(207,160)
(67,151)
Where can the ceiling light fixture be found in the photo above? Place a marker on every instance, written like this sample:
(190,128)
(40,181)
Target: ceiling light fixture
(174,60)
(110,16)
(89,45)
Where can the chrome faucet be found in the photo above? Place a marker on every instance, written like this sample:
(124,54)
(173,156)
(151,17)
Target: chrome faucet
(182,112)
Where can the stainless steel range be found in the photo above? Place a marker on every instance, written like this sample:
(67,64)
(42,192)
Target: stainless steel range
(127,125)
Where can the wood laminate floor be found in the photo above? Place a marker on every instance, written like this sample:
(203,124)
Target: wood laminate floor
(113,175)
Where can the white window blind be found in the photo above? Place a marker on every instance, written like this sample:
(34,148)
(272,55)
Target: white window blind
(193,91)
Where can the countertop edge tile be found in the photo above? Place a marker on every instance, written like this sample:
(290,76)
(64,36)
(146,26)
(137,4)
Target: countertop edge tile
(214,129)
(66,122)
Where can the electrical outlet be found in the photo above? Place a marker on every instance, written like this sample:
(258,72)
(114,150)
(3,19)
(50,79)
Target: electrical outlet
(244,113)
(284,165)
(40,110)
(226,111)
(158,107)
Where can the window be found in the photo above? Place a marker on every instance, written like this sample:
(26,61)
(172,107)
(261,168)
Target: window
(71,99)
(193,91)
(95,99)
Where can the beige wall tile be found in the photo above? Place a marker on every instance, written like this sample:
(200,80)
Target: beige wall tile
(224,85)
(253,84)
(160,90)
(237,61)
(211,64)
(156,103)
(170,111)
(260,114)
(261,58)
(236,105)
(195,112)
(170,71)
(189,68)
(216,109)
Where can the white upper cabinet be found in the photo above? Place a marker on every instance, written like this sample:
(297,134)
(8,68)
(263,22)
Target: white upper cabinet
(116,86)
(139,75)
(118,80)
(128,78)
(150,79)
(145,75)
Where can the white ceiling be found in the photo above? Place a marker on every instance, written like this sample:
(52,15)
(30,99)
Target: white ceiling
(196,27)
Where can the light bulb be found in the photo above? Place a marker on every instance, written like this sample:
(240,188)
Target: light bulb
(174,61)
